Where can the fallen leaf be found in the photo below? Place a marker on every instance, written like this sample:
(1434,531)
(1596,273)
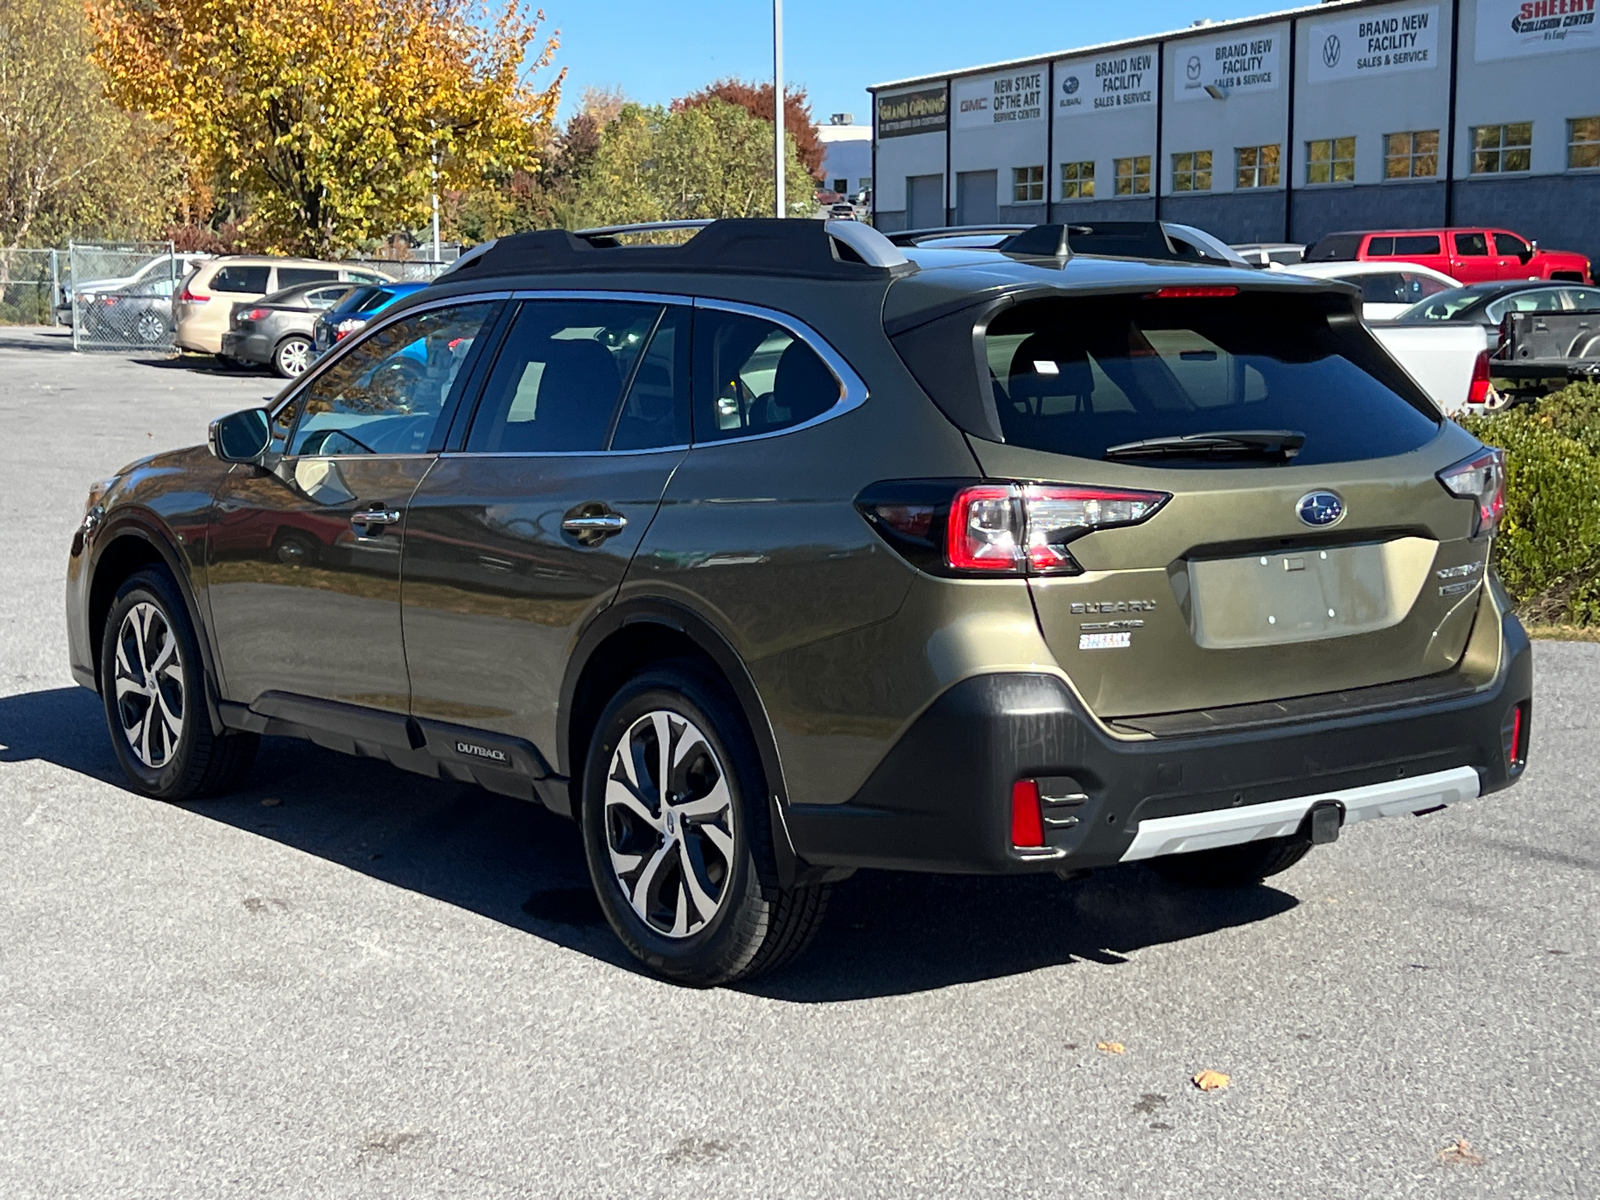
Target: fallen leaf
(271,802)
(1211,1081)
(1461,1152)
(1110,1047)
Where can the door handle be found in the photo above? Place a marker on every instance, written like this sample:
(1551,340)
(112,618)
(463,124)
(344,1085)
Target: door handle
(603,524)
(374,518)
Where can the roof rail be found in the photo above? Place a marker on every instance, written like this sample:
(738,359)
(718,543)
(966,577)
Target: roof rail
(753,245)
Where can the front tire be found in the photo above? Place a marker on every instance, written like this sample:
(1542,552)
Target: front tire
(1233,866)
(152,681)
(674,827)
(292,357)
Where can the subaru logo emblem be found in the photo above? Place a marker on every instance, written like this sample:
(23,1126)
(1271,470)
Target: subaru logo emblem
(1319,509)
(1069,85)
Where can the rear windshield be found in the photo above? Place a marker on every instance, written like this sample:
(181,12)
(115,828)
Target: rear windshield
(1336,247)
(1081,376)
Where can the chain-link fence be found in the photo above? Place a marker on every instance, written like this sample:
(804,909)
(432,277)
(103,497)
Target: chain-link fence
(120,296)
(408,270)
(30,286)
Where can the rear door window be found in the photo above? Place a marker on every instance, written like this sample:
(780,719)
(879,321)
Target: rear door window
(236,278)
(1472,245)
(1416,244)
(1532,300)
(754,376)
(1079,377)
(289,277)
(1336,247)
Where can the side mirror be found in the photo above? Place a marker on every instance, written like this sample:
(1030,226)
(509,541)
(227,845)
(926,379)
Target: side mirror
(1527,255)
(240,437)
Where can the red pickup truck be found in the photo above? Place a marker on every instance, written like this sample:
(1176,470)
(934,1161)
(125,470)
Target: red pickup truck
(1471,255)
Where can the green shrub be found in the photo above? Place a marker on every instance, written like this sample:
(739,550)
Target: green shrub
(1548,551)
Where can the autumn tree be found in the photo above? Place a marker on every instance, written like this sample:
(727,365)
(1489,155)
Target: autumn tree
(71,164)
(331,115)
(710,159)
(756,99)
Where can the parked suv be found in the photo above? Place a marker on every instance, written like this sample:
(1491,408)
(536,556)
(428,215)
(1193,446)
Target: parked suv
(211,292)
(1469,255)
(790,551)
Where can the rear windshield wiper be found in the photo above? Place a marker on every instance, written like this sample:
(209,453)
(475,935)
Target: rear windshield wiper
(1233,443)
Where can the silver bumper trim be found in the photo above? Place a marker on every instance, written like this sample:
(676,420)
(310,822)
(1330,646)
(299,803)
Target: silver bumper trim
(1280,818)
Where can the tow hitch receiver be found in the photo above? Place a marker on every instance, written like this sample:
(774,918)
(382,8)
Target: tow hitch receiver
(1325,819)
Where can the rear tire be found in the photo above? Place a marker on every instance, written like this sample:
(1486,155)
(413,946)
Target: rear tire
(153,684)
(292,357)
(678,837)
(1232,866)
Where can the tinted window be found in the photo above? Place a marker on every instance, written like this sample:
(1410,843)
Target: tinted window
(557,378)
(1532,300)
(1336,247)
(326,297)
(1380,247)
(1510,243)
(656,410)
(754,376)
(1471,245)
(1079,376)
(376,298)
(1417,243)
(386,394)
(240,279)
(289,277)
(1387,288)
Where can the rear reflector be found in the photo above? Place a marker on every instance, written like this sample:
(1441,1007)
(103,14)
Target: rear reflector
(1027,826)
(1514,734)
(1191,292)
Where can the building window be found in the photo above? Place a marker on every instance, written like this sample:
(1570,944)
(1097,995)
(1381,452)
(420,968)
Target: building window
(1077,181)
(1497,149)
(841,185)
(1027,184)
(1411,155)
(1583,143)
(1256,166)
(1132,175)
(1331,160)
(865,183)
(1191,171)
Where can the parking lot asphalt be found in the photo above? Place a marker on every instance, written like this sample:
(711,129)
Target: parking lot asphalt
(348,981)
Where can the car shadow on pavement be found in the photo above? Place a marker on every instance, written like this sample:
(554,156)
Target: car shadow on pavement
(886,933)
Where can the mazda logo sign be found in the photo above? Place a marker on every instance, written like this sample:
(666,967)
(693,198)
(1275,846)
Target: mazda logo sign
(1319,509)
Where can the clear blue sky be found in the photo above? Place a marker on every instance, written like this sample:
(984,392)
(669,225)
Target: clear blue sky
(656,51)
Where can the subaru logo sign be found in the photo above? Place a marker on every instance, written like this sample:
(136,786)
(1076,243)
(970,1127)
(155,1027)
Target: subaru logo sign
(1069,85)
(1319,509)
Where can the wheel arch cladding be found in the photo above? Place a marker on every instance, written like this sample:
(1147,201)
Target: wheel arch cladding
(131,549)
(624,641)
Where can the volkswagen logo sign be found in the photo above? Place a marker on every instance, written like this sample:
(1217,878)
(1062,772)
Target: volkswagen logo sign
(1069,85)
(1319,509)
(1330,51)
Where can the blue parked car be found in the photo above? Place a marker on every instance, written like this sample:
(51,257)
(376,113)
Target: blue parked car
(353,312)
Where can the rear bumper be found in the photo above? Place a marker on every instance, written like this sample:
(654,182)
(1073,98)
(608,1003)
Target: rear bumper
(940,800)
(248,347)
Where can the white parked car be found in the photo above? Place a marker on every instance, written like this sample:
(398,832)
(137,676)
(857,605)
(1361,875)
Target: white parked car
(1387,288)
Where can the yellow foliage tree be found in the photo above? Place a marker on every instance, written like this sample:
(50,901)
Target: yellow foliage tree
(331,114)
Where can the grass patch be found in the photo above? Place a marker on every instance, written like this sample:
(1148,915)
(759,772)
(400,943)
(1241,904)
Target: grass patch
(1565,633)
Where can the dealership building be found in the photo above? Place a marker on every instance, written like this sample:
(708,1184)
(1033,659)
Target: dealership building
(1276,128)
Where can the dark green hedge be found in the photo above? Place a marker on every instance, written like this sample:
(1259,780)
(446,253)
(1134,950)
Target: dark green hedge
(1548,551)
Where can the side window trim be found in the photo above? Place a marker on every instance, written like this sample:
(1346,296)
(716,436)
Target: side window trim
(297,390)
(852,390)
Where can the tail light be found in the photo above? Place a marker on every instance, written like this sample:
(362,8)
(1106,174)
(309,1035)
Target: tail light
(191,297)
(1193,292)
(346,327)
(1482,478)
(254,314)
(1027,824)
(997,529)
(1481,387)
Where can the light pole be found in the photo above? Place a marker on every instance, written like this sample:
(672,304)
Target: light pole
(436,205)
(777,97)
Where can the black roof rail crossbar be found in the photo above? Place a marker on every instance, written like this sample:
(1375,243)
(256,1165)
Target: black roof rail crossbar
(757,245)
(915,237)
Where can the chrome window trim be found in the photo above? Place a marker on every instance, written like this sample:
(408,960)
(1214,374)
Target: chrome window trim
(588,294)
(561,453)
(852,390)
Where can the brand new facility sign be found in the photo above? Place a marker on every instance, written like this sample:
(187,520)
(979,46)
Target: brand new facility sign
(1089,86)
(1375,43)
(1513,28)
(1247,62)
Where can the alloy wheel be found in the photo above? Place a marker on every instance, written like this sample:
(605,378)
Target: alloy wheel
(150,699)
(294,356)
(669,823)
(150,328)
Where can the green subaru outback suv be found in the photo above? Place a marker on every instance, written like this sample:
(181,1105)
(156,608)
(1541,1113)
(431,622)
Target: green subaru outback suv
(794,549)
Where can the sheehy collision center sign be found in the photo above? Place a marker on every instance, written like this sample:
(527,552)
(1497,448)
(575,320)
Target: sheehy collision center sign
(1088,86)
(1513,28)
(992,100)
(1247,62)
(1375,43)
